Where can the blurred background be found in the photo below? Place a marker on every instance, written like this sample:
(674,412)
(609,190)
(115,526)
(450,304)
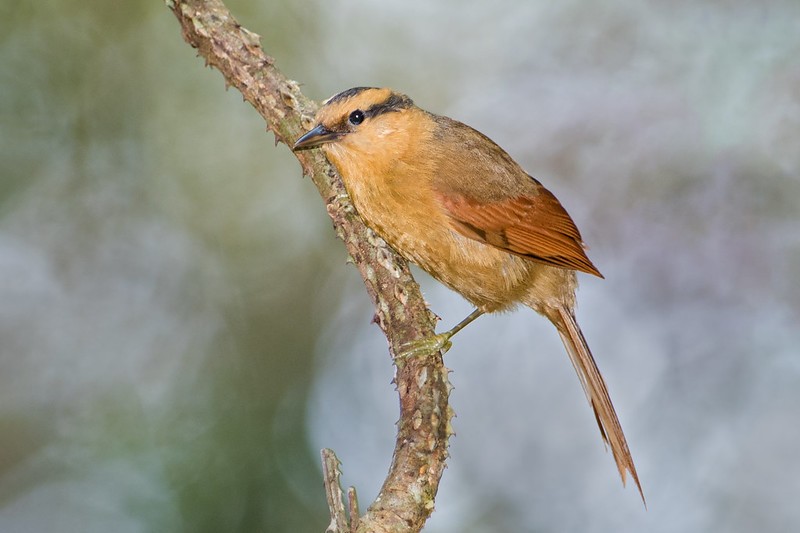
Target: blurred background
(180,334)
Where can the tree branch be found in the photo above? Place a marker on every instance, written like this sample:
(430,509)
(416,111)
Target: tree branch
(407,496)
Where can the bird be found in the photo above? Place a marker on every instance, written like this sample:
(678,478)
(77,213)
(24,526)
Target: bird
(450,200)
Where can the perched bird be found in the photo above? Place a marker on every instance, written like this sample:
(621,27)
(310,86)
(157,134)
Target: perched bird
(449,199)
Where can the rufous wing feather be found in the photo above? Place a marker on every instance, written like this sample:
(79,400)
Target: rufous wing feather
(535,226)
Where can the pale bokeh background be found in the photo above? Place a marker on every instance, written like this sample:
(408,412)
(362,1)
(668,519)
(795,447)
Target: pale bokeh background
(180,334)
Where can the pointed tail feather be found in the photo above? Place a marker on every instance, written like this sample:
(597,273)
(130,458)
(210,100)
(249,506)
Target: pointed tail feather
(596,392)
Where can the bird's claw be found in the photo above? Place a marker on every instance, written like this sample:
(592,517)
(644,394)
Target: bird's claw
(425,346)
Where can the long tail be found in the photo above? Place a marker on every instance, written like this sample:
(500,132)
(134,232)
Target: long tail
(596,392)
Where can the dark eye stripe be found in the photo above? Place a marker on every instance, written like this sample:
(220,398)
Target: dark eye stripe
(395,102)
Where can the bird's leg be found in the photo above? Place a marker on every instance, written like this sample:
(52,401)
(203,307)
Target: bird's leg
(435,343)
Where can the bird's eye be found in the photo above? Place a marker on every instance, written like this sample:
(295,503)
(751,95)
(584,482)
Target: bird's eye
(356,117)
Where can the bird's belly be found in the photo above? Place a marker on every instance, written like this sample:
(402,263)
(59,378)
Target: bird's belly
(489,278)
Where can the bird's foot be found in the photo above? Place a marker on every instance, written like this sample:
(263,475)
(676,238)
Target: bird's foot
(425,346)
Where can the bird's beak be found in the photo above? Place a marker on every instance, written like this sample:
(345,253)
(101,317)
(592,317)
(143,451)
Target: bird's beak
(317,136)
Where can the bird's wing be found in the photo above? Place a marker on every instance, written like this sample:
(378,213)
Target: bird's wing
(535,226)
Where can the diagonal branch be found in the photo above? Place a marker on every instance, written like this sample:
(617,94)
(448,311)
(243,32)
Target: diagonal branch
(406,498)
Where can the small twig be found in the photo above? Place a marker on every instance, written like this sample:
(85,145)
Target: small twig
(331,473)
(355,517)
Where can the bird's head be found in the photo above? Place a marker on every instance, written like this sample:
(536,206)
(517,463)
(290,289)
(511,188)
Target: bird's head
(362,123)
